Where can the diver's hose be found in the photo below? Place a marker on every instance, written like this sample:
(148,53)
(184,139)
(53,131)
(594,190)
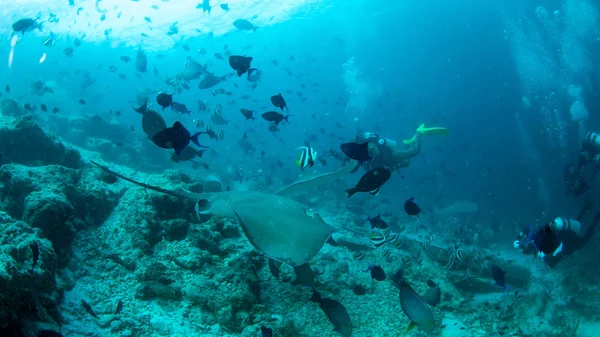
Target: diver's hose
(564,224)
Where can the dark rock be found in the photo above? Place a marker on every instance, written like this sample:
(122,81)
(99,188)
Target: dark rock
(176,229)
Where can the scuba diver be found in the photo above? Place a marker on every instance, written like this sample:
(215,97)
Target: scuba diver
(385,153)
(588,163)
(559,238)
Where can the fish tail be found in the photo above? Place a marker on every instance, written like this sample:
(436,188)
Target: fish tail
(286,118)
(351,192)
(194,139)
(316,297)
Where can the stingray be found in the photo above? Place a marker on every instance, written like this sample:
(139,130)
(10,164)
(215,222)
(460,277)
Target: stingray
(152,121)
(210,81)
(276,226)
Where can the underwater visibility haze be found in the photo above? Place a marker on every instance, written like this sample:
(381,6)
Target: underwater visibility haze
(299,168)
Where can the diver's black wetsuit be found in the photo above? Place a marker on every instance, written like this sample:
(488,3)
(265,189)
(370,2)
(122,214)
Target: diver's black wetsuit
(571,241)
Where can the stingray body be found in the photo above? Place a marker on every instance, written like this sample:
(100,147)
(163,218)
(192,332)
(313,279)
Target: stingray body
(278,227)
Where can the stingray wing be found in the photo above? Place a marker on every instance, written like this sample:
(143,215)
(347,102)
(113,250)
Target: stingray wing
(280,228)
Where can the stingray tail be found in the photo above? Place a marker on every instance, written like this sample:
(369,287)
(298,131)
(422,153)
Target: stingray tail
(150,187)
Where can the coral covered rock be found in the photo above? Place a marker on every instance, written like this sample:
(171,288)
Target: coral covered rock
(22,141)
(27,276)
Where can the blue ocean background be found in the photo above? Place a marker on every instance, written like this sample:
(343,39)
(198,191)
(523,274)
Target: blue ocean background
(495,73)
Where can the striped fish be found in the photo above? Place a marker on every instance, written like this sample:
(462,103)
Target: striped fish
(307,157)
(378,239)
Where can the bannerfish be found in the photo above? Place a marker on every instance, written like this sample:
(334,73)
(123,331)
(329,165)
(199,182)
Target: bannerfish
(141,61)
(274,116)
(371,182)
(164,100)
(279,102)
(176,137)
(411,207)
(335,312)
(241,64)
(307,157)
(244,25)
(249,114)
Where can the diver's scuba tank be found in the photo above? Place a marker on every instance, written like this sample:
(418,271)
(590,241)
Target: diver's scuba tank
(591,140)
(386,142)
(564,224)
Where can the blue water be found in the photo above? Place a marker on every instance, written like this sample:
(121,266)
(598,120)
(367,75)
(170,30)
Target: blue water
(500,75)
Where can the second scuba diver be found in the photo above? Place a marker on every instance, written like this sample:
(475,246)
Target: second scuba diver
(560,238)
(589,158)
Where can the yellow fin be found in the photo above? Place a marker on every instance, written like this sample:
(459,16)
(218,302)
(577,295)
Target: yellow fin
(411,326)
(410,141)
(434,131)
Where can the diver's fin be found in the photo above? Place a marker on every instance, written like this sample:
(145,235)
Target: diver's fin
(434,131)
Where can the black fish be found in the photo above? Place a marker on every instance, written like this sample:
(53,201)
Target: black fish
(265,332)
(359,152)
(88,308)
(125,59)
(82,102)
(377,273)
(274,267)
(7,88)
(164,100)
(279,102)
(249,114)
(181,108)
(119,307)
(274,116)
(411,207)
(24,25)
(336,313)
(35,252)
(141,61)
(241,64)
(359,290)
(44,107)
(371,182)
(187,154)
(55,110)
(304,275)
(498,275)
(377,222)
(433,295)
(176,137)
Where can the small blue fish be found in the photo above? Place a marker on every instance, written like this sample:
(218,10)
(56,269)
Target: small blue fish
(499,278)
